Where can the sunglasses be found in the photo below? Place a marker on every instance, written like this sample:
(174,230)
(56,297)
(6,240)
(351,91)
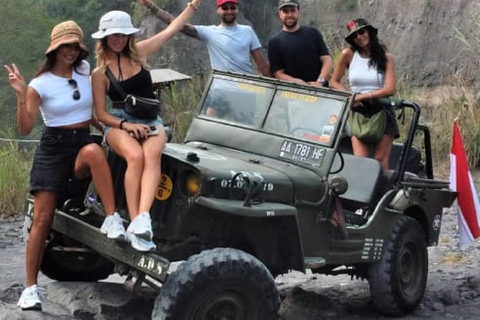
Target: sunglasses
(227,7)
(76,93)
(359,32)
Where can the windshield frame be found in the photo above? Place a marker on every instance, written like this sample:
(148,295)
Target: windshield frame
(273,89)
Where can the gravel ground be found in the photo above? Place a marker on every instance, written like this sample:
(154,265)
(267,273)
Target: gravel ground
(453,288)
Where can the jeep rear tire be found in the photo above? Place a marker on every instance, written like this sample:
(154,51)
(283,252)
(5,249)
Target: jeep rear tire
(69,265)
(398,281)
(216,284)
(73,266)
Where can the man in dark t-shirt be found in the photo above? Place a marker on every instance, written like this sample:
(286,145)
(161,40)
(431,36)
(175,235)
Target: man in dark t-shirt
(298,53)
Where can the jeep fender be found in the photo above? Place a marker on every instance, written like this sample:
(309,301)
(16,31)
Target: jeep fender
(259,229)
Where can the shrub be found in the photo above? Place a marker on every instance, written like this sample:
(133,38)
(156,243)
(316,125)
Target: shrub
(14,177)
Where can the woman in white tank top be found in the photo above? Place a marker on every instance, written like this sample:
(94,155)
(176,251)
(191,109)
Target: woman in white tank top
(371,74)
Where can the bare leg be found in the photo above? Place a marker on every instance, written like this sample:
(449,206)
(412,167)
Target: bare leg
(152,150)
(91,161)
(129,149)
(359,148)
(382,150)
(43,205)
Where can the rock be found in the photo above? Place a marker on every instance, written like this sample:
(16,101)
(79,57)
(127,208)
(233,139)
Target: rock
(473,282)
(12,293)
(450,297)
(438,307)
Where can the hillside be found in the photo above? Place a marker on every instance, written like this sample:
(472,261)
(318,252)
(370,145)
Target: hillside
(431,40)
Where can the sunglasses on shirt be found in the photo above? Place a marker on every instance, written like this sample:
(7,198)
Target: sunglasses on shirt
(76,93)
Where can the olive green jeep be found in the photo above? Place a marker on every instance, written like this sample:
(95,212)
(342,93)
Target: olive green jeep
(264,183)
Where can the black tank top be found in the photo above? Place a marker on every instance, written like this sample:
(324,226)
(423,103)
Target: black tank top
(140,85)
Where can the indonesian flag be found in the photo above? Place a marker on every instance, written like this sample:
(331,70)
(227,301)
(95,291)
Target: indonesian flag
(467,200)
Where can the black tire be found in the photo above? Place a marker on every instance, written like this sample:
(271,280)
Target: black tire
(69,266)
(398,281)
(216,284)
(73,266)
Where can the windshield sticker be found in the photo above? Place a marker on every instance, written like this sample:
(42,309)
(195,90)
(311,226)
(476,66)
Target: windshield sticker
(299,97)
(302,152)
(251,88)
(333,119)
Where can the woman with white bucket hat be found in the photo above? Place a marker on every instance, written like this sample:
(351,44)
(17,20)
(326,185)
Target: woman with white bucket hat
(139,141)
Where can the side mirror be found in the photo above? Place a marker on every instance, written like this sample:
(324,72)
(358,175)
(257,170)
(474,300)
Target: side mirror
(338,185)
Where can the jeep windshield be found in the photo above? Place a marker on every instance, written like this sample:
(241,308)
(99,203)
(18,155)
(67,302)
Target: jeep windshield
(293,111)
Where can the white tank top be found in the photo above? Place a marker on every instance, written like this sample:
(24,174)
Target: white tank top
(362,77)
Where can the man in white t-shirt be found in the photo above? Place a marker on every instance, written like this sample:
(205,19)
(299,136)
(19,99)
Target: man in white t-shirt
(230,45)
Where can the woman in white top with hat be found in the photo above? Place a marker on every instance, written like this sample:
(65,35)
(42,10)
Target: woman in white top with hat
(61,91)
(371,74)
(130,137)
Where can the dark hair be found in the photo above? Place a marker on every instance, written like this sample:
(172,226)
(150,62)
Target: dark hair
(378,51)
(49,62)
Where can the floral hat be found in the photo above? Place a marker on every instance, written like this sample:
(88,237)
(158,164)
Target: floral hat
(355,25)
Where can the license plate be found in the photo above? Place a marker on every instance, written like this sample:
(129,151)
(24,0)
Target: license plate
(302,152)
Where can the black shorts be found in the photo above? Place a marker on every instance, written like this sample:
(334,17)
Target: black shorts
(391,127)
(55,158)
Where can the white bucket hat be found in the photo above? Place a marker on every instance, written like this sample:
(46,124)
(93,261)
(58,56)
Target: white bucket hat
(115,22)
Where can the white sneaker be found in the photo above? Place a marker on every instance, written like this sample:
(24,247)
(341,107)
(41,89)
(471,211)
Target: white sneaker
(141,226)
(140,244)
(30,298)
(113,227)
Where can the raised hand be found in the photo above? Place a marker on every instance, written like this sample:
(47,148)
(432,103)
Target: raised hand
(15,78)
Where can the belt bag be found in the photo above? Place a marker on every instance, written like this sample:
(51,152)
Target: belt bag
(136,106)
(142,108)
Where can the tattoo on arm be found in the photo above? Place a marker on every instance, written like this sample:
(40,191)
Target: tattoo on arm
(167,17)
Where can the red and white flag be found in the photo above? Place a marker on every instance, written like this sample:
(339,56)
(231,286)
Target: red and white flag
(467,201)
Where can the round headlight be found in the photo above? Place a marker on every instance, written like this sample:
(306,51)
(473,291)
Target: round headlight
(192,184)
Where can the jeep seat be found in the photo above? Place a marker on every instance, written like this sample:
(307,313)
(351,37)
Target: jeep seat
(364,176)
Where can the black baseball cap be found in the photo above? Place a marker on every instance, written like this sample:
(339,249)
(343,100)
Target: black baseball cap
(286,3)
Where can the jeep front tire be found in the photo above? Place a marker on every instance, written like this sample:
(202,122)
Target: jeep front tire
(222,283)
(398,281)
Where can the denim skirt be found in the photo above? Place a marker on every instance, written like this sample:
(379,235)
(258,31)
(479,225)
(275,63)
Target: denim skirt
(55,158)
(121,114)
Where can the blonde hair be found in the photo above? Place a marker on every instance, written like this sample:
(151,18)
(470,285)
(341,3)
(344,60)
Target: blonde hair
(130,51)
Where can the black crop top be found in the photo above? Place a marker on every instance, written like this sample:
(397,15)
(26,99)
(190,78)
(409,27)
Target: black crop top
(140,85)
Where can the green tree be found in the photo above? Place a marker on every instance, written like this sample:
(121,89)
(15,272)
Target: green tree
(24,30)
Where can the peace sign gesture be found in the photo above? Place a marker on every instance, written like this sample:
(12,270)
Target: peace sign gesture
(15,78)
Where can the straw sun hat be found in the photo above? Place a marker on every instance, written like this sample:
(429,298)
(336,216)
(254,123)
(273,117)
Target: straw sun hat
(67,32)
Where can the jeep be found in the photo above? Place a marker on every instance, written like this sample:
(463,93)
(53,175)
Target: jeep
(265,182)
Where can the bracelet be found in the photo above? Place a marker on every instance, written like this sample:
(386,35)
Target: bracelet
(121,123)
(190,4)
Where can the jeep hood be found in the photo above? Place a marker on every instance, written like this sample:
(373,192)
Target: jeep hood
(224,171)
